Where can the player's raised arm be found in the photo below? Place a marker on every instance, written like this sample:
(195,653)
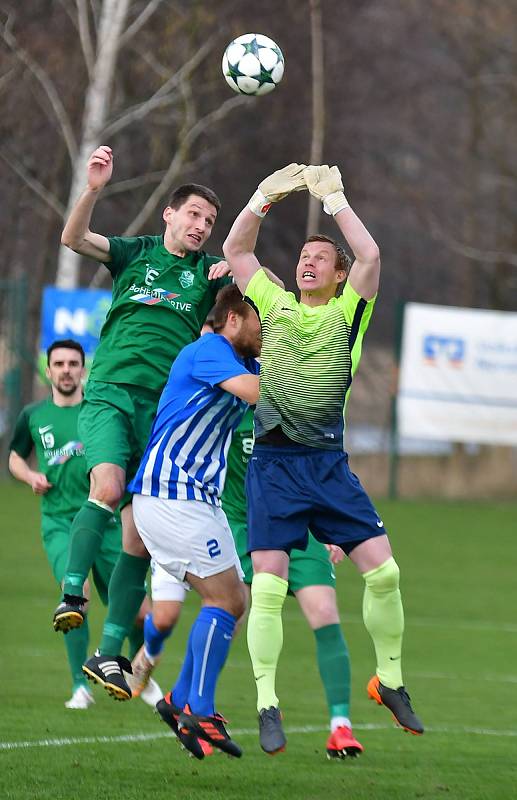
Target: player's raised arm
(239,247)
(245,386)
(76,233)
(325,183)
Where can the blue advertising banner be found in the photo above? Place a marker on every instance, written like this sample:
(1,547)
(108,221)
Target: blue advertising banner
(73,314)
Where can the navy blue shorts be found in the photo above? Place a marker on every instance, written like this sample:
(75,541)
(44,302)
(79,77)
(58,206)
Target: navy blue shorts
(292,489)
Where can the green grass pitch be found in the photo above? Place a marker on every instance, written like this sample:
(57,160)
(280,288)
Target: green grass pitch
(459,586)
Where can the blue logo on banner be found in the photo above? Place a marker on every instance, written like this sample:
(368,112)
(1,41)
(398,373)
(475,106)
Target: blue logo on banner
(73,314)
(449,348)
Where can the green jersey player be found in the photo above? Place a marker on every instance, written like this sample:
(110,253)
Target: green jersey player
(48,429)
(163,287)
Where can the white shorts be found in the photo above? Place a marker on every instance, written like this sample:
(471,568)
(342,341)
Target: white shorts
(165,586)
(186,536)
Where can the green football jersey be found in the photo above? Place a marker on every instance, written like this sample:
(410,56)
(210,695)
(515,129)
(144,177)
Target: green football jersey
(51,431)
(308,358)
(160,302)
(234,495)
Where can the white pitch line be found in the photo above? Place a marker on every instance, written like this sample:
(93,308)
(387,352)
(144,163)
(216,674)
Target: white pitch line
(147,737)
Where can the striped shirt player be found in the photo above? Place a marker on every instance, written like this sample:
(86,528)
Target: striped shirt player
(185,458)
(177,505)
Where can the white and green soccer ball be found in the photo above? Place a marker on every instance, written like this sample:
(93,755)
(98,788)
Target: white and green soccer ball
(253,64)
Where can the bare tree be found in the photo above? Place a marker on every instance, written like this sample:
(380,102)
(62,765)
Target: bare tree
(101,62)
(318,106)
(104,31)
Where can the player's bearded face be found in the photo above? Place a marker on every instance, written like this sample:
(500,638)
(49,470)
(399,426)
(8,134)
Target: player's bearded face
(65,371)
(190,225)
(249,340)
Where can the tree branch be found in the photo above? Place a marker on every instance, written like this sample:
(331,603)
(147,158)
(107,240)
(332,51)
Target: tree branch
(179,157)
(139,21)
(85,36)
(48,86)
(164,95)
(65,4)
(41,191)
(6,78)
(485,257)
(148,58)
(132,183)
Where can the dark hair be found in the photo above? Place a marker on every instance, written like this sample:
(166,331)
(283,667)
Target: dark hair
(70,344)
(182,194)
(210,318)
(343,261)
(229,298)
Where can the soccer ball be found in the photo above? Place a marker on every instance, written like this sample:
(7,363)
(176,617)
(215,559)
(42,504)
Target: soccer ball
(253,64)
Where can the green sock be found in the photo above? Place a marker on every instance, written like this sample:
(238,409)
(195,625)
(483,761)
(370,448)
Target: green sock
(383,617)
(125,594)
(76,643)
(334,667)
(135,640)
(85,540)
(265,635)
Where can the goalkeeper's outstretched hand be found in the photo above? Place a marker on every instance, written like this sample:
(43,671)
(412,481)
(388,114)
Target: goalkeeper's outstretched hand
(277,186)
(325,183)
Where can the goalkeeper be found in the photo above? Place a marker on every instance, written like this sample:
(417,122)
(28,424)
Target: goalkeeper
(298,475)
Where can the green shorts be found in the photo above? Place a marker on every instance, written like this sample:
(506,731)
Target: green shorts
(309,567)
(115,422)
(55,533)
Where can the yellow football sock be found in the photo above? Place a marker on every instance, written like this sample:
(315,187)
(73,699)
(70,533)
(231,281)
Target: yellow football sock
(383,617)
(265,635)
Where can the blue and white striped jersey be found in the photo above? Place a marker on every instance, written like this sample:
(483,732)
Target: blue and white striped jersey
(185,457)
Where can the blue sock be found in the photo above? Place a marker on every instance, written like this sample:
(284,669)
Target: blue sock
(212,634)
(153,638)
(181,689)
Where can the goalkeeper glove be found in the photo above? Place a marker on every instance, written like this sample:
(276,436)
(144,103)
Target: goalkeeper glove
(325,183)
(276,187)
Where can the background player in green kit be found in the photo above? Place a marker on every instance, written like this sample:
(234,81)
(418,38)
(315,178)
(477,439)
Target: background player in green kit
(163,288)
(49,429)
(298,475)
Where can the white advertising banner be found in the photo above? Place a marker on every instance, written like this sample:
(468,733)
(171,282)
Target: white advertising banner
(458,375)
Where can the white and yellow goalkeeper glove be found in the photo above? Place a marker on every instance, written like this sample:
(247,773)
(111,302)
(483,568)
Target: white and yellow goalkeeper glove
(325,183)
(276,187)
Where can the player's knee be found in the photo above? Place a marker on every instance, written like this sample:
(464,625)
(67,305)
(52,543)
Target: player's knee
(165,619)
(108,494)
(325,614)
(133,545)
(107,486)
(236,602)
(384,578)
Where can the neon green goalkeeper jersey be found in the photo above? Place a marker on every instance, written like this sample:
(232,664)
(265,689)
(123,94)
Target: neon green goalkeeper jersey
(51,431)
(160,302)
(308,358)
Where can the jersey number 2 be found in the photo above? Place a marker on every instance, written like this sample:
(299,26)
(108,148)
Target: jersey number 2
(213,548)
